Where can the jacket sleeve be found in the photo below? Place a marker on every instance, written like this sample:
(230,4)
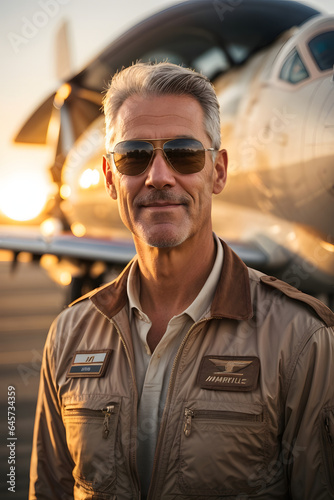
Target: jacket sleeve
(308,438)
(51,465)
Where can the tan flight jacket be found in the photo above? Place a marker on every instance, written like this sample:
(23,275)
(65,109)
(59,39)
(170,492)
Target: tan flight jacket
(249,411)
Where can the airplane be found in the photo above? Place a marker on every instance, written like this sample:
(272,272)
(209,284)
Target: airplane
(271,62)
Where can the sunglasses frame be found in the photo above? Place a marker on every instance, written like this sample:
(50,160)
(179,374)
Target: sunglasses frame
(161,143)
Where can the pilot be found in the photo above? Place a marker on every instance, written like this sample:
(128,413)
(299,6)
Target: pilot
(190,376)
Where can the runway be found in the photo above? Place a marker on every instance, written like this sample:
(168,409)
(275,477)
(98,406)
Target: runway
(29,301)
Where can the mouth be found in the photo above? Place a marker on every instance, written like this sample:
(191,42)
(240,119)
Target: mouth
(165,204)
(162,201)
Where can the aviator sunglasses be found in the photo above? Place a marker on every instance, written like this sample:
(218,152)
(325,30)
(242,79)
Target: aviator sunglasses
(186,156)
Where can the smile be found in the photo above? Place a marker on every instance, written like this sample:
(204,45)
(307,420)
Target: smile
(163,205)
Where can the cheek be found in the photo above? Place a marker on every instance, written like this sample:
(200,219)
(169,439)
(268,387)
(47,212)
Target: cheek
(204,187)
(125,201)
(204,197)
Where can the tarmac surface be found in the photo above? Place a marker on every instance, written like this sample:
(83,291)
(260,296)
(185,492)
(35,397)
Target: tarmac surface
(29,301)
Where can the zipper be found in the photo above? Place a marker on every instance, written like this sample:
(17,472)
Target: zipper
(104,413)
(189,415)
(234,416)
(108,411)
(151,493)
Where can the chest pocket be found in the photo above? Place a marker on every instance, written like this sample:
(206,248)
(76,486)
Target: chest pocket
(223,447)
(91,431)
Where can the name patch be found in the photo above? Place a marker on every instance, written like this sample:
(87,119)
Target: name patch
(229,373)
(89,363)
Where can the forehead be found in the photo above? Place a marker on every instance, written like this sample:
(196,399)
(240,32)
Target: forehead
(157,117)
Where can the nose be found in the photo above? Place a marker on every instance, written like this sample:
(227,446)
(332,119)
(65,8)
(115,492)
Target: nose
(159,173)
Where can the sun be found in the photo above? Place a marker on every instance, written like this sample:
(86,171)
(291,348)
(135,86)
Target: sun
(23,195)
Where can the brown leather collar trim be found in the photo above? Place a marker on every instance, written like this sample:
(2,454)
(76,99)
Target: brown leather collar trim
(111,298)
(232,298)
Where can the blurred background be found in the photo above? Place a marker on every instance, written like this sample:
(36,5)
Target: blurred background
(29,51)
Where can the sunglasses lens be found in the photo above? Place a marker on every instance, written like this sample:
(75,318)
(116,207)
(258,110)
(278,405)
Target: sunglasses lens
(132,157)
(187,156)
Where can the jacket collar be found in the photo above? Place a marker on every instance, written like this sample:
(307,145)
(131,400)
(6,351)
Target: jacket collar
(232,298)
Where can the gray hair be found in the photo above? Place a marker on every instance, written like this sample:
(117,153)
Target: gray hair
(146,79)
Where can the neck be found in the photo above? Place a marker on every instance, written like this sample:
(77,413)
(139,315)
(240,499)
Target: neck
(171,278)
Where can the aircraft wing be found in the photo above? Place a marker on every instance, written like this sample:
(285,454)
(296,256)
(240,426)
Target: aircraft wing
(66,245)
(110,251)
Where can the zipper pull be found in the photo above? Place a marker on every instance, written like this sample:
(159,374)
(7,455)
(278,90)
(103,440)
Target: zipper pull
(328,431)
(108,411)
(189,414)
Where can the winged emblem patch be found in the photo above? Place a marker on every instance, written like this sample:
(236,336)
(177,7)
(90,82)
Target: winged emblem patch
(229,367)
(229,373)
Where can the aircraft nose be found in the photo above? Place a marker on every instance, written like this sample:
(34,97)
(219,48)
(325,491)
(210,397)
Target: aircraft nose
(315,208)
(321,193)
(325,138)
(322,162)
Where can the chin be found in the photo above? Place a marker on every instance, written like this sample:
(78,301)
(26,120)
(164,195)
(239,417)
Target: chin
(164,240)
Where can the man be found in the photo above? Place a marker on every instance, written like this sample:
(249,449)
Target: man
(190,376)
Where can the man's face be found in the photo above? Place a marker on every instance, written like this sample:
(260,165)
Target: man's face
(160,206)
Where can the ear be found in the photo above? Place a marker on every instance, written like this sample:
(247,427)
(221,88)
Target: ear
(109,178)
(220,171)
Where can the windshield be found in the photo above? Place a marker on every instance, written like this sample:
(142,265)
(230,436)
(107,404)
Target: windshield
(322,50)
(293,69)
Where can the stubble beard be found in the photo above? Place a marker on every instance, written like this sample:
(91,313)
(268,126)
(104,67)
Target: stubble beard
(163,240)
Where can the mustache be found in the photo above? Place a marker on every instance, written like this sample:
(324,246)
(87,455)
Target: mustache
(161,196)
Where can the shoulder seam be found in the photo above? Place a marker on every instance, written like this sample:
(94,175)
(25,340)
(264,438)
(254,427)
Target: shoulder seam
(321,310)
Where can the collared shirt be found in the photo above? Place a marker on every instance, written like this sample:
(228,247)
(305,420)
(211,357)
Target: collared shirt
(153,369)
